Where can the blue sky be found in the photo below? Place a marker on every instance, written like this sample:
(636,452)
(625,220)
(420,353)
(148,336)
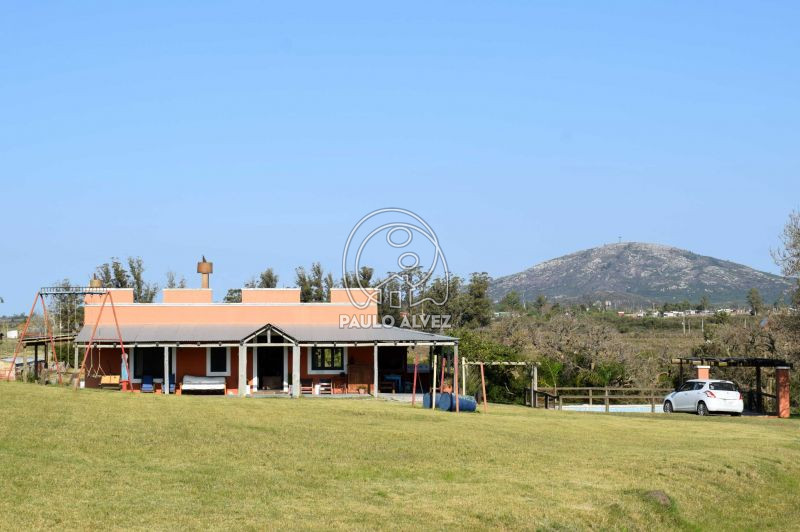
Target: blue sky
(259,134)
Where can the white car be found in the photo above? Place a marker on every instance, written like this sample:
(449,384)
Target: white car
(705,396)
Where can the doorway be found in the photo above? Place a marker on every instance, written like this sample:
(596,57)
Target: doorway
(271,369)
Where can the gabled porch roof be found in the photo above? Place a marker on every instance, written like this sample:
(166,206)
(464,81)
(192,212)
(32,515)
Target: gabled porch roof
(235,334)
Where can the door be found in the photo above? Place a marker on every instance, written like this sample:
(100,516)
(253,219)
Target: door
(270,368)
(681,398)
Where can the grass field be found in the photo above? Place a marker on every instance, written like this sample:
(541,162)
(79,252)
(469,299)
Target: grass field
(94,459)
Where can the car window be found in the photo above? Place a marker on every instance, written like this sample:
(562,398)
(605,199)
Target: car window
(699,385)
(724,386)
(687,386)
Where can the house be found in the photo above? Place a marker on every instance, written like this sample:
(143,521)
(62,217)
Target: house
(271,342)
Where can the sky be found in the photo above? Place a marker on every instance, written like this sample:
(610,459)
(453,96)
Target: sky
(260,133)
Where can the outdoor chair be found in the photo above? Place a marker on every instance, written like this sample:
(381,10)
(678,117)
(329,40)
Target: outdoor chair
(172,383)
(147,384)
(306,386)
(325,387)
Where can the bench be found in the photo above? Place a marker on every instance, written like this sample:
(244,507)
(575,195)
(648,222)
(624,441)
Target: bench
(196,383)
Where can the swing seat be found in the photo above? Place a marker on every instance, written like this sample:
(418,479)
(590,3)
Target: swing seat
(110,382)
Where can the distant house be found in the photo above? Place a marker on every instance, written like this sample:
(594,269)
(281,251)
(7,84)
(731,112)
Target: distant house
(12,334)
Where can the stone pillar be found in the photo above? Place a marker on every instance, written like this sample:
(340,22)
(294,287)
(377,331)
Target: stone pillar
(244,389)
(295,370)
(782,390)
(703,372)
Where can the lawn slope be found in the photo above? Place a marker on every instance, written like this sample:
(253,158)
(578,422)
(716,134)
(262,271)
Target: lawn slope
(92,459)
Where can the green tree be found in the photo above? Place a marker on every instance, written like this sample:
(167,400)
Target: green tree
(172,281)
(704,304)
(143,292)
(477,307)
(510,302)
(314,285)
(755,301)
(234,295)
(540,303)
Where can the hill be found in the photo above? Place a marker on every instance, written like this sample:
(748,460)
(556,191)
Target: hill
(633,273)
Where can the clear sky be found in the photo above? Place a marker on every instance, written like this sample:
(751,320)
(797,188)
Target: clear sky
(259,133)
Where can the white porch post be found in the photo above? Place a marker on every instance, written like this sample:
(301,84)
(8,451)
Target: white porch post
(165,384)
(244,389)
(375,371)
(295,370)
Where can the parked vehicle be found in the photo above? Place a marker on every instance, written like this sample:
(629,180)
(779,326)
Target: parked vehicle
(704,397)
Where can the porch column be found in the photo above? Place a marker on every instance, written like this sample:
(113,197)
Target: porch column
(295,370)
(244,389)
(165,385)
(782,390)
(375,371)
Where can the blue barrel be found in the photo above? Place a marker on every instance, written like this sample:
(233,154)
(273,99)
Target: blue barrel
(426,400)
(445,402)
(467,403)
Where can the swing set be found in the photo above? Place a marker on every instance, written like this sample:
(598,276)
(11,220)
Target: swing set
(72,292)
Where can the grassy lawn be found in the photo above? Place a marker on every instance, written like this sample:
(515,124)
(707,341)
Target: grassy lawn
(92,459)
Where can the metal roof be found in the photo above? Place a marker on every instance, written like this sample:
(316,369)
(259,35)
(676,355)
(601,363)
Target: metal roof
(740,362)
(193,334)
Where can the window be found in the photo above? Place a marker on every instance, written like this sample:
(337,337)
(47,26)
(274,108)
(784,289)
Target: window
(723,386)
(327,359)
(218,361)
(148,361)
(687,386)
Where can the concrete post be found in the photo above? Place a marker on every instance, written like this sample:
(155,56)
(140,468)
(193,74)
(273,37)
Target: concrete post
(244,389)
(165,385)
(375,371)
(295,370)
(703,372)
(782,390)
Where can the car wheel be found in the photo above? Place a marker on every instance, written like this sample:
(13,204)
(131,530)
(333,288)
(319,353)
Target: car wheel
(668,407)
(702,409)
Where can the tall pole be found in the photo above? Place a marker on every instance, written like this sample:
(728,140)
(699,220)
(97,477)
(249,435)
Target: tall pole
(433,383)
(455,373)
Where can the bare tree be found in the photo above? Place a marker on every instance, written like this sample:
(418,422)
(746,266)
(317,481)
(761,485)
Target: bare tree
(788,258)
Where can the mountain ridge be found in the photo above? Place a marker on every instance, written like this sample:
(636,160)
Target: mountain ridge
(640,273)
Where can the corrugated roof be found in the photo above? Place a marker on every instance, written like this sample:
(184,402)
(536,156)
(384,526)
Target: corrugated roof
(178,333)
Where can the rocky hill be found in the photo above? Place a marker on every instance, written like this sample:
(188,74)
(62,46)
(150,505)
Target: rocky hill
(637,274)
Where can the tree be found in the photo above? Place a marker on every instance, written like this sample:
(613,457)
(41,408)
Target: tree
(143,292)
(788,258)
(511,302)
(314,286)
(540,303)
(234,295)
(172,283)
(755,301)
(477,307)
(114,275)
(704,304)
(268,279)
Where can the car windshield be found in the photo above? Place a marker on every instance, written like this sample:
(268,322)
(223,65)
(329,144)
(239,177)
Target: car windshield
(723,386)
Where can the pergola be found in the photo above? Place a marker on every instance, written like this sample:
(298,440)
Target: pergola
(703,366)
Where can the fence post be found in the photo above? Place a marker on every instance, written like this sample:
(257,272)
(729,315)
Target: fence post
(560,403)
(606,400)
(653,403)
(590,397)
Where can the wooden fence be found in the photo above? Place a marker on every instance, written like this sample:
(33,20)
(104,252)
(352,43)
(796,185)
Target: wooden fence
(606,396)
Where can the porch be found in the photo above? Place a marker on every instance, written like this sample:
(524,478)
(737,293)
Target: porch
(263,360)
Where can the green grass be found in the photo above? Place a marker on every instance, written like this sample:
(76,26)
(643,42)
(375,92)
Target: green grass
(94,459)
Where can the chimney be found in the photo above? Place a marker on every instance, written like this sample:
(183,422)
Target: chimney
(205,268)
(94,282)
